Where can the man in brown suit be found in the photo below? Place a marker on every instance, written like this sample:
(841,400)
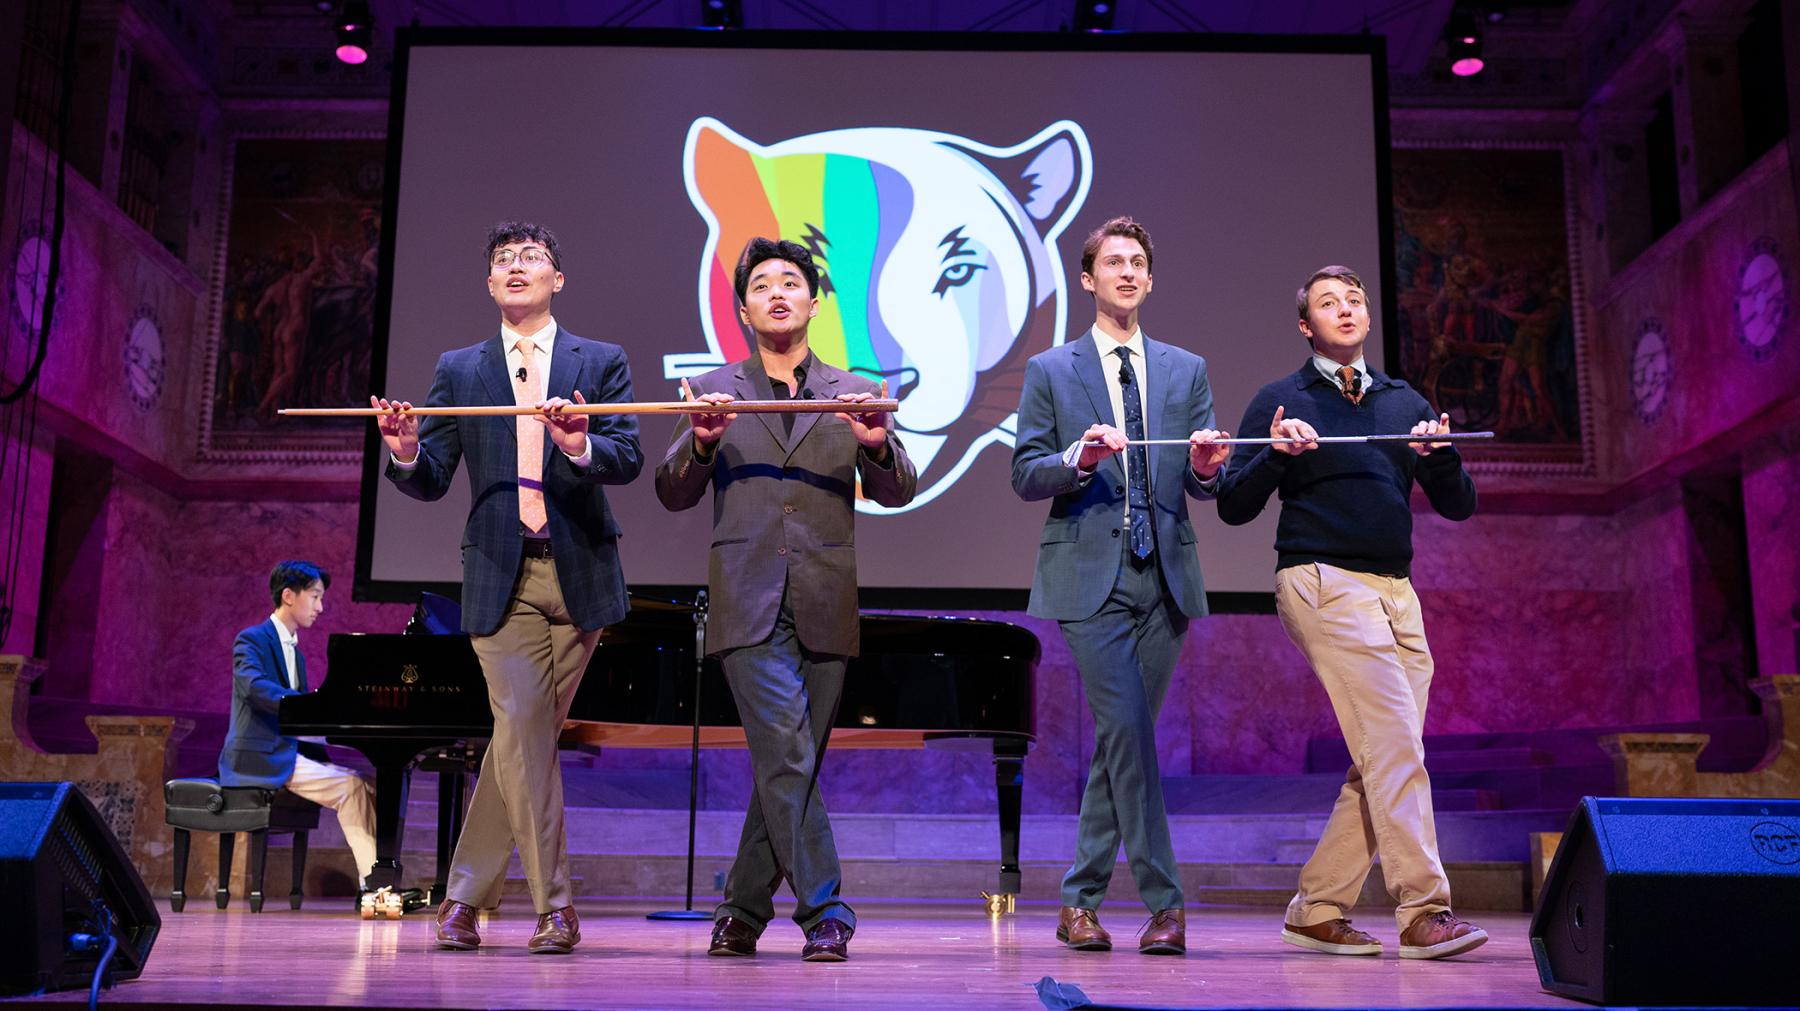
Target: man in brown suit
(784,619)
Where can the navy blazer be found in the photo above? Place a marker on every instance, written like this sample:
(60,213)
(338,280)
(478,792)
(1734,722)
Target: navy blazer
(583,533)
(1080,551)
(256,753)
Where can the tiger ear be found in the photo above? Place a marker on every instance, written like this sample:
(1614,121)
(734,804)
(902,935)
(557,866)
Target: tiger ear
(719,164)
(1048,175)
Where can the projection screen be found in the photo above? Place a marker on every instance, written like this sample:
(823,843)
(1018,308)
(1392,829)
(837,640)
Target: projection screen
(654,156)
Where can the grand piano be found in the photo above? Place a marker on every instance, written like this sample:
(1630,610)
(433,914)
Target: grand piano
(417,699)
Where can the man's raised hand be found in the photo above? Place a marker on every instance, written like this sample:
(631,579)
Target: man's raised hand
(1292,428)
(399,428)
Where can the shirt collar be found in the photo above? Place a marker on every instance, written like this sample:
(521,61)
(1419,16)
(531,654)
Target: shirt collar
(544,339)
(1106,345)
(1328,369)
(282,633)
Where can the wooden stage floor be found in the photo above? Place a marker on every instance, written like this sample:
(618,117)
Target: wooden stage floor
(916,955)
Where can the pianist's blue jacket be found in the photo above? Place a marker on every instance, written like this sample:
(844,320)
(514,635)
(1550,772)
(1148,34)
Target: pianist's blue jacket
(256,753)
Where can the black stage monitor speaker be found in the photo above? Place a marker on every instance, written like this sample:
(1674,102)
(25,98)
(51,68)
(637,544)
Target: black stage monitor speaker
(65,887)
(1662,901)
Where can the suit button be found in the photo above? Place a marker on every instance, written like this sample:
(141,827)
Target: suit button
(787,508)
(1118,489)
(1115,532)
(783,551)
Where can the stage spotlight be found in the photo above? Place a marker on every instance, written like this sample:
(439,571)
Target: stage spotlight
(721,13)
(353,32)
(1463,33)
(1094,15)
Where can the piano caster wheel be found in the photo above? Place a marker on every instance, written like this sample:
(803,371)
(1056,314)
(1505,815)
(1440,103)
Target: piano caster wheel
(382,904)
(1001,904)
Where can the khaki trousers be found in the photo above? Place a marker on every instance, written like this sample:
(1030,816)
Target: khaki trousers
(350,795)
(532,664)
(1365,639)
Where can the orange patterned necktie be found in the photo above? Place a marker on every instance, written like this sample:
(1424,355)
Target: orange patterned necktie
(1352,380)
(531,443)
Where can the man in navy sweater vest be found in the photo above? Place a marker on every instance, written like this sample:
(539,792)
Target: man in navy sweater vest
(1343,593)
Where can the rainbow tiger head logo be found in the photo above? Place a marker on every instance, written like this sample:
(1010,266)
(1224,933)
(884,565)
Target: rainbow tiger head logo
(937,257)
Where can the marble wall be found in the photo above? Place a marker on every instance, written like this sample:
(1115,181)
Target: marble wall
(1772,527)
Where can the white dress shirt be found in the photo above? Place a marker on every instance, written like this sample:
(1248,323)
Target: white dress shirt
(290,641)
(544,340)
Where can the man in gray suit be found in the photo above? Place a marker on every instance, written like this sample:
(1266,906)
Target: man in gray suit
(782,580)
(1116,564)
(540,558)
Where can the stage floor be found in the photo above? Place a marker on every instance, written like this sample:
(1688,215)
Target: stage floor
(919,955)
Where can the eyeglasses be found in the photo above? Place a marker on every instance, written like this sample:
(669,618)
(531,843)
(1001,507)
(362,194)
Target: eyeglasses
(531,255)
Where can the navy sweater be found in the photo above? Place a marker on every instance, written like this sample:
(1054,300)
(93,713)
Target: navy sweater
(1343,504)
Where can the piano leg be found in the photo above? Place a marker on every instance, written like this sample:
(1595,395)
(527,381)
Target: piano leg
(393,779)
(1009,790)
(451,780)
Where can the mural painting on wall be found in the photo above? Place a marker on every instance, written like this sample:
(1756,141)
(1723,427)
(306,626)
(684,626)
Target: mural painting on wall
(294,312)
(1485,327)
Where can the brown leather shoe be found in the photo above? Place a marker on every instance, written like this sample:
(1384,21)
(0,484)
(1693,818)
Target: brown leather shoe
(558,932)
(1333,937)
(828,941)
(456,926)
(1080,929)
(732,936)
(1166,934)
(1440,935)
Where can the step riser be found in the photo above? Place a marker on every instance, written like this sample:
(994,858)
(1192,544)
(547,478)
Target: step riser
(1476,886)
(1462,835)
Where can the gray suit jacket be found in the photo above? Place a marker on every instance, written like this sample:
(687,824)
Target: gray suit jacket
(1080,551)
(784,509)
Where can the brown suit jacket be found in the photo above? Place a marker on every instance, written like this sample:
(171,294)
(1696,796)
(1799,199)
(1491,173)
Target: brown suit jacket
(784,509)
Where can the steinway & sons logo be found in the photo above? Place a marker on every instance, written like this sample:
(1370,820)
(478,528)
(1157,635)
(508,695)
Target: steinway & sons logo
(398,696)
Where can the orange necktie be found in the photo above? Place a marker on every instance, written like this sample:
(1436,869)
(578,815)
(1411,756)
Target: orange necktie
(1352,380)
(531,443)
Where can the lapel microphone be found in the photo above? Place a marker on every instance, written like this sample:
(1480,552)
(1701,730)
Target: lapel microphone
(520,375)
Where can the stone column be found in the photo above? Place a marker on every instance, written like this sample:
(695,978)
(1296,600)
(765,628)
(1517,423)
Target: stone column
(1790,58)
(1709,119)
(17,749)
(1655,765)
(1619,184)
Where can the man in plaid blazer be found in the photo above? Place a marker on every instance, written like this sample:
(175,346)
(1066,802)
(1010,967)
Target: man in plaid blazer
(540,562)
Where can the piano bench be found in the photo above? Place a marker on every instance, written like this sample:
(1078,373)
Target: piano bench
(202,805)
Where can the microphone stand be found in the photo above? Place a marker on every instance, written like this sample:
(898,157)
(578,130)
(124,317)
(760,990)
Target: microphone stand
(688,912)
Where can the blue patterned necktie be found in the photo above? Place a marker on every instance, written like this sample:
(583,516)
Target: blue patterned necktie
(1137,459)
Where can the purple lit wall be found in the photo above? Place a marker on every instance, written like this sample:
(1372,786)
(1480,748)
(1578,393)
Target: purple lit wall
(1568,602)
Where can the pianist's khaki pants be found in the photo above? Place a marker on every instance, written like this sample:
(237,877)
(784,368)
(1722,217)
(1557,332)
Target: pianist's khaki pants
(347,793)
(1365,638)
(532,665)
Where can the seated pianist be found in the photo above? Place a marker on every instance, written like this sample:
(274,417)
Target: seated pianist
(266,667)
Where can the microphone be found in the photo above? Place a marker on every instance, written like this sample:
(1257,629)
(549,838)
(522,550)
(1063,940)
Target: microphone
(520,375)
